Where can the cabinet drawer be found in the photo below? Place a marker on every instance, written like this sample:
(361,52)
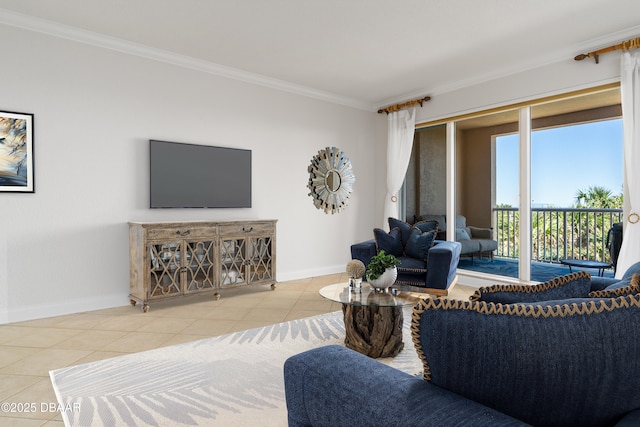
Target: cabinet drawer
(246,228)
(180,232)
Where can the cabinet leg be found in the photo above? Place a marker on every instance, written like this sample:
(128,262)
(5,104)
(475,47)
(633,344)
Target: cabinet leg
(273,286)
(132,302)
(216,296)
(145,308)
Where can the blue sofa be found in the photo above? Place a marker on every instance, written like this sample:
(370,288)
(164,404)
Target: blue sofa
(555,358)
(425,263)
(600,283)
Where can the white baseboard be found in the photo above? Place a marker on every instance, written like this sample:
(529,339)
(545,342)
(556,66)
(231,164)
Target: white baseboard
(314,272)
(74,306)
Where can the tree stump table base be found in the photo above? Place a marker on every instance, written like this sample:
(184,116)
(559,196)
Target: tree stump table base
(373,330)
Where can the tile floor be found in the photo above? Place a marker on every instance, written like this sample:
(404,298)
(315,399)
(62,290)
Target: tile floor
(29,350)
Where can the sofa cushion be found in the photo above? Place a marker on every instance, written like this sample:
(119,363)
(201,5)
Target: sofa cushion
(390,242)
(470,246)
(410,265)
(623,287)
(574,363)
(323,384)
(419,243)
(488,245)
(574,285)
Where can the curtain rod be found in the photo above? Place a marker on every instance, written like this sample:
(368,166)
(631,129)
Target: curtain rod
(625,45)
(396,107)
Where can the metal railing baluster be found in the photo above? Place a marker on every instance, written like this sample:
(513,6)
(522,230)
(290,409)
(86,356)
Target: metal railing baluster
(557,233)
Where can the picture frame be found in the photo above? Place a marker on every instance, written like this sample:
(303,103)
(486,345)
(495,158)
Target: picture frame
(16,152)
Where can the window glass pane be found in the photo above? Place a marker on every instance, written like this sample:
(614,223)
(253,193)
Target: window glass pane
(576,181)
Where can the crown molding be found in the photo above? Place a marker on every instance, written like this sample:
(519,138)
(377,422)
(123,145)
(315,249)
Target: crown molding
(75,34)
(561,55)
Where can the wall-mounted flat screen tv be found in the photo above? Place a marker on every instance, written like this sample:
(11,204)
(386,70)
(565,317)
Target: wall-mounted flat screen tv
(199,176)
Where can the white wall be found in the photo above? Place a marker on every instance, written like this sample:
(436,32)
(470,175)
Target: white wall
(65,248)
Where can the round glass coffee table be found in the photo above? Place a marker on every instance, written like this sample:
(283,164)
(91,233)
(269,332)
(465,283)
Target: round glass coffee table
(372,319)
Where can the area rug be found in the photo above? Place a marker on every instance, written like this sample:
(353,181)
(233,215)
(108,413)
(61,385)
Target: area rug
(230,380)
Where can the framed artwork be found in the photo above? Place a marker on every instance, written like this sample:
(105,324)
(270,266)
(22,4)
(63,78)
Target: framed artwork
(16,152)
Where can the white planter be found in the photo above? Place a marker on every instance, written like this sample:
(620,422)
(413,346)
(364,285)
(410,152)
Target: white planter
(387,279)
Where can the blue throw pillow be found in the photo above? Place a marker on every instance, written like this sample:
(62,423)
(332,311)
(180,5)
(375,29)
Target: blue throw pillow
(462,234)
(404,227)
(419,243)
(574,285)
(427,225)
(633,269)
(440,219)
(390,242)
(574,363)
(623,287)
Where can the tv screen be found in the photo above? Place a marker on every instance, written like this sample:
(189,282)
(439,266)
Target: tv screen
(199,176)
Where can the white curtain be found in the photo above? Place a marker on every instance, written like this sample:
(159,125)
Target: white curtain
(399,143)
(630,87)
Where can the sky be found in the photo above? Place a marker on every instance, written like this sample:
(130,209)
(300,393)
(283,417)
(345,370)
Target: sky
(563,161)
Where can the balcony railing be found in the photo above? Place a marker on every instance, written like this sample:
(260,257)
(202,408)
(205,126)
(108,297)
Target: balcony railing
(557,233)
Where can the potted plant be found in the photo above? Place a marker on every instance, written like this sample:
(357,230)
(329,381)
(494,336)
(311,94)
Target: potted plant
(382,271)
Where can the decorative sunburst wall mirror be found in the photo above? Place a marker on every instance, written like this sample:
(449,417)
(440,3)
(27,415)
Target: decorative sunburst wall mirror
(331,180)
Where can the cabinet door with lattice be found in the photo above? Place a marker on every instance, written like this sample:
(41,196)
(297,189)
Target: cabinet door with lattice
(233,256)
(260,259)
(199,265)
(165,269)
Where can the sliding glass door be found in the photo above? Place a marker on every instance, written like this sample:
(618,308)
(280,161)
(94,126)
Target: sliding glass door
(502,171)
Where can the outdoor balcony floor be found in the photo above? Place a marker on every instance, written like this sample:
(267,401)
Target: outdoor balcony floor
(540,271)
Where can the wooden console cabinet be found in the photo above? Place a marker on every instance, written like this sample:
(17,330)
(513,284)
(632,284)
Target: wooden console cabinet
(175,259)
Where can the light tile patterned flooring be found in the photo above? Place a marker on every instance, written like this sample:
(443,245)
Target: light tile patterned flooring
(29,350)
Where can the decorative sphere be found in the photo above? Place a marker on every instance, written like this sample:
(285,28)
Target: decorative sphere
(355,268)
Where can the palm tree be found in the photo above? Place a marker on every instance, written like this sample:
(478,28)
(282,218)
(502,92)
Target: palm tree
(597,197)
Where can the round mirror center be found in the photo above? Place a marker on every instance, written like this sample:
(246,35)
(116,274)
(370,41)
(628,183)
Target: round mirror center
(332,180)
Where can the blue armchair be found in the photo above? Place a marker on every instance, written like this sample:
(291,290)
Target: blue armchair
(542,362)
(425,263)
